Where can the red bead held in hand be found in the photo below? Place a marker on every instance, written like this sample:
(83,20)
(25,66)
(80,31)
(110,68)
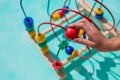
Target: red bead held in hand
(71,33)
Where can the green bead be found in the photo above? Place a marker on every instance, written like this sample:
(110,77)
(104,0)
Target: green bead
(30,29)
(63,44)
(42,45)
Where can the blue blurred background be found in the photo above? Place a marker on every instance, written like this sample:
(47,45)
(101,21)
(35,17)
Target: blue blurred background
(20,59)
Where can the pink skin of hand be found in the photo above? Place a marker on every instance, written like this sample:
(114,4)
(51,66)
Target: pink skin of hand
(96,39)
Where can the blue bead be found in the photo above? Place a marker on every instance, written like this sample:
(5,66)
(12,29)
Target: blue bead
(99,16)
(66,11)
(28,21)
(69,50)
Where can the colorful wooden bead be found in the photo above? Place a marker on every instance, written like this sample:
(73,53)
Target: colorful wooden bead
(71,33)
(57,65)
(42,45)
(80,32)
(30,29)
(55,16)
(69,50)
(45,50)
(66,11)
(40,38)
(98,16)
(98,11)
(32,33)
(74,54)
(61,13)
(28,22)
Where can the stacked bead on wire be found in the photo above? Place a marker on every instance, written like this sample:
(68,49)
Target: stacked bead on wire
(72,33)
(29,24)
(59,14)
(98,13)
(70,51)
(41,41)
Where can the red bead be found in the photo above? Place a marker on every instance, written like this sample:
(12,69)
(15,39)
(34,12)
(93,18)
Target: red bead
(61,13)
(57,65)
(71,33)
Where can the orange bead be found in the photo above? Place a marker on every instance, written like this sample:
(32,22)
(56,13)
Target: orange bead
(32,33)
(98,11)
(55,16)
(40,38)
(45,50)
(74,54)
(80,32)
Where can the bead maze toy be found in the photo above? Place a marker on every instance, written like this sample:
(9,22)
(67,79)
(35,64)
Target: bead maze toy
(59,15)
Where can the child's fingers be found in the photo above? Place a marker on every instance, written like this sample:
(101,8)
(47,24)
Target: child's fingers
(81,25)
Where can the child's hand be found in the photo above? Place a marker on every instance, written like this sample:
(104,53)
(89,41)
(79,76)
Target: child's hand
(96,39)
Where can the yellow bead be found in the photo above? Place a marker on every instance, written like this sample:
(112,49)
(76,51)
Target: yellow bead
(55,16)
(74,54)
(40,38)
(45,50)
(98,11)
(32,33)
(80,32)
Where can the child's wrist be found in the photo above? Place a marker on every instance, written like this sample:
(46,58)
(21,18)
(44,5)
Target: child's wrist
(108,45)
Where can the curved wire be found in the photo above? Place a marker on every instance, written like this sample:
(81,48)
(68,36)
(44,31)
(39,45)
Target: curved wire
(101,2)
(90,20)
(84,35)
(50,24)
(92,9)
(48,6)
(65,2)
(66,20)
(118,23)
(118,33)
(69,2)
(76,5)
(63,7)
(21,5)
(87,57)
(54,32)
(109,13)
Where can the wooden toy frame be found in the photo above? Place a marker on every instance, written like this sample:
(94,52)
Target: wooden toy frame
(86,7)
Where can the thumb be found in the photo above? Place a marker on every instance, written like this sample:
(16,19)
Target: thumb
(84,41)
